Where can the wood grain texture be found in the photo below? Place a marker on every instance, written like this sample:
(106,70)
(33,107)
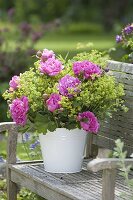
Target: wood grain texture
(107,163)
(11,187)
(109,143)
(120,66)
(85,185)
(11,159)
(121,123)
(12,144)
(11,156)
(91,150)
(108,184)
(6,126)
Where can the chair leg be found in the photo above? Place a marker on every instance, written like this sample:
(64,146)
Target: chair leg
(108,184)
(11,187)
(11,191)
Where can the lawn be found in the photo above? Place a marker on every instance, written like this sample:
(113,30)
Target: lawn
(64,40)
(23,150)
(68,43)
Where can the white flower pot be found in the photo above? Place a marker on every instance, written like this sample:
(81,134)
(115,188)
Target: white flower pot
(63,150)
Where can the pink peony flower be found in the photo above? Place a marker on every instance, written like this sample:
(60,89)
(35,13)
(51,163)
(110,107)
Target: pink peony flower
(14,83)
(88,121)
(86,68)
(19,109)
(52,67)
(68,83)
(46,54)
(53,102)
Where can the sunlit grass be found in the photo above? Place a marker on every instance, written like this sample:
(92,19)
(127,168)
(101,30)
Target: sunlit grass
(69,42)
(22,150)
(65,39)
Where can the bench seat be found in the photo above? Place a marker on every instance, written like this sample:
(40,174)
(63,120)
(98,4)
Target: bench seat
(84,185)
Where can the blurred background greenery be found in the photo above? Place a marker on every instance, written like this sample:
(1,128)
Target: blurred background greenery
(66,26)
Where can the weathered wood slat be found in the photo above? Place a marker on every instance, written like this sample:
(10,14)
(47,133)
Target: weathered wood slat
(120,75)
(103,135)
(128,115)
(119,66)
(128,87)
(80,186)
(56,182)
(129,93)
(107,163)
(115,137)
(115,134)
(11,158)
(109,143)
(108,183)
(6,126)
(122,114)
(117,127)
(124,81)
(121,122)
(36,186)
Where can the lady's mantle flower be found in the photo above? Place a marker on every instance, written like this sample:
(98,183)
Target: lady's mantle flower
(118,38)
(86,68)
(53,102)
(19,109)
(88,121)
(68,85)
(46,54)
(52,67)
(14,83)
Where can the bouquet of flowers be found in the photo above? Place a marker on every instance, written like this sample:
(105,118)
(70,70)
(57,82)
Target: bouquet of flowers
(61,93)
(124,49)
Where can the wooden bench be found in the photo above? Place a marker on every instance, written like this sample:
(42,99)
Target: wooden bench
(99,178)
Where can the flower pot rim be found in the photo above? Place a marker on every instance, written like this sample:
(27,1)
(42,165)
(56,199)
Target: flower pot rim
(65,129)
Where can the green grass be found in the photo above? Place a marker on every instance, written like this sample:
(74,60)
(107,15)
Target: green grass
(66,38)
(67,43)
(23,151)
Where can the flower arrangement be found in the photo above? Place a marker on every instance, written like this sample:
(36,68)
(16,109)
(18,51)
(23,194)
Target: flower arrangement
(60,93)
(124,49)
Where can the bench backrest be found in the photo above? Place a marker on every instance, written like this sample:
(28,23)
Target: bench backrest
(121,124)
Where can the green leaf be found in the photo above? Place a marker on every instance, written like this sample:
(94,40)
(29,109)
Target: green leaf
(41,123)
(52,126)
(70,126)
(27,128)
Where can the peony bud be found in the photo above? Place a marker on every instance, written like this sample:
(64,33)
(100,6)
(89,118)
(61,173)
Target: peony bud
(60,110)
(8,102)
(39,54)
(45,97)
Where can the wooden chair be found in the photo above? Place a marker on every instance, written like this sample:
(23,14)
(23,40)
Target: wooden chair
(99,178)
